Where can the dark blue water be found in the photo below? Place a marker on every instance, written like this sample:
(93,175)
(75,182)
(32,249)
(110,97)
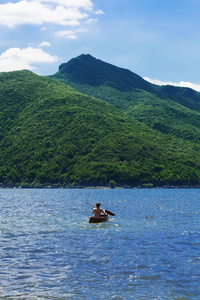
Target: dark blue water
(149,250)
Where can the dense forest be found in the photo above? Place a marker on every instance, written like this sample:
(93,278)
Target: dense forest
(100,126)
(169,109)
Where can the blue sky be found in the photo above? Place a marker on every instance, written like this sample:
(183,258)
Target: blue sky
(157,39)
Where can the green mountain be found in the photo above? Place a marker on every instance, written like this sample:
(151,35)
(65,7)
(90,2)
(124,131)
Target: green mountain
(53,134)
(171,110)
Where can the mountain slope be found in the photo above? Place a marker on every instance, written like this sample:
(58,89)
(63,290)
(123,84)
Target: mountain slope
(88,70)
(171,110)
(52,134)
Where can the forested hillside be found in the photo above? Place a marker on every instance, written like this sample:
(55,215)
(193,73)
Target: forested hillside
(53,134)
(171,110)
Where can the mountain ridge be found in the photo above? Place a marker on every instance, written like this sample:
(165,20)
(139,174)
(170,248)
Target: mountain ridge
(84,67)
(134,96)
(50,133)
(87,66)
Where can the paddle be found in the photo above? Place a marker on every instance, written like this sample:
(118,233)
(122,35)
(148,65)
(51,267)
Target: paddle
(107,211)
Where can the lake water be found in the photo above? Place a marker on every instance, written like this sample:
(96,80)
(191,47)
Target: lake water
(149,250)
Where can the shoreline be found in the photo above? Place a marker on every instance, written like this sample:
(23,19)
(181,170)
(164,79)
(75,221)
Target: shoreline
(99,187)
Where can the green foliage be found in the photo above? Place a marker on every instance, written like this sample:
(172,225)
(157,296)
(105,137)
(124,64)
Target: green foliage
(52,134)
(112,184)
(86,70)
(168,109)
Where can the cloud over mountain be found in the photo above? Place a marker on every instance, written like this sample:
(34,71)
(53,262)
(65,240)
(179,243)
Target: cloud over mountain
(191,85)
(28,23)
(18,59)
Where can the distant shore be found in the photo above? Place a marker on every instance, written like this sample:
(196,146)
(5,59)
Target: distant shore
(142,186)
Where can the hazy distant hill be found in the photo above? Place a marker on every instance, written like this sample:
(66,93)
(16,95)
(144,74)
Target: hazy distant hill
(171,110)
(52,134)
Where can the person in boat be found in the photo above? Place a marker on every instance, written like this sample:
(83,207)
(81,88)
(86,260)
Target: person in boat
(97,211)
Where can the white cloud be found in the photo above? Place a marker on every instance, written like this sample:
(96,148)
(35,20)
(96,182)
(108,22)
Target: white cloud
(18,59)
(99,12)
(91,21)
(36,13)
(45,44)
(68,34)
(191,85)
(86,4)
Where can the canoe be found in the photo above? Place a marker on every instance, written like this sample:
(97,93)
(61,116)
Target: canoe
(103,218)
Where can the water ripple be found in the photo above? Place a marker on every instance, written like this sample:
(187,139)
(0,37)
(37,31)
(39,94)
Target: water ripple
(149,250)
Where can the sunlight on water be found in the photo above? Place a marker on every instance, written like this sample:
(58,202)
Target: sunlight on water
(149,250)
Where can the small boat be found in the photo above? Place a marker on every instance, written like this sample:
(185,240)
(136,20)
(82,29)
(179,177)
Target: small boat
(102,218)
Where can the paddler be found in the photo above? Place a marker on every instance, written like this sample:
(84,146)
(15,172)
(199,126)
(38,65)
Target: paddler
(97,210)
